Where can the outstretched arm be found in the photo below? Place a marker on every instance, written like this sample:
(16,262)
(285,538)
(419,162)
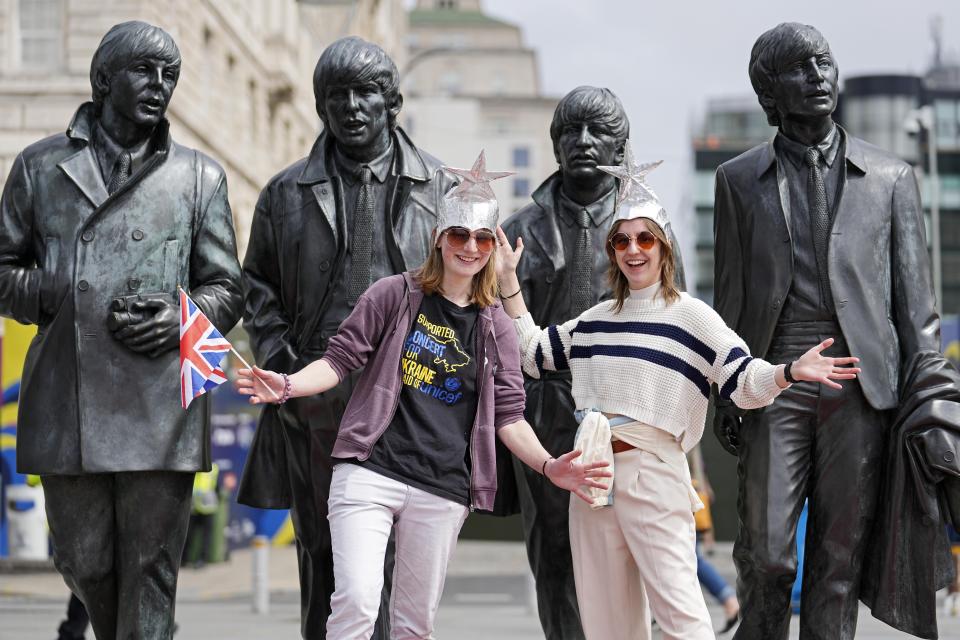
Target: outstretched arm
(265,386)
(564,471)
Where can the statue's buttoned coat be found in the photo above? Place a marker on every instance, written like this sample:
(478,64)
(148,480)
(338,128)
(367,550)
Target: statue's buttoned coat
(89,404)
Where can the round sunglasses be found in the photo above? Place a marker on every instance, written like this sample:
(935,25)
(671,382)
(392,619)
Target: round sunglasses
(457,238)
(621,241)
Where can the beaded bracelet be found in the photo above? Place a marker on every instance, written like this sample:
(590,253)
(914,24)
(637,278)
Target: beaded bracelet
(543,469)
(287,389)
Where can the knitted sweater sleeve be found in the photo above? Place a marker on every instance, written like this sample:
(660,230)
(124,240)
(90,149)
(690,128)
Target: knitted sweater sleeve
(544,349)
(748,382)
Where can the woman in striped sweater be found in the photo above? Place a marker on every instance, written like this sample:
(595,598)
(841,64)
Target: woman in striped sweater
(642,365)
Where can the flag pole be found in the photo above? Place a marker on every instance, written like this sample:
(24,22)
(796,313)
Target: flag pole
(254,373)
(244,362)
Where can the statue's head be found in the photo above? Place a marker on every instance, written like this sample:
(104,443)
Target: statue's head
(134,72)
(357,90)
(793,73)
(589,128)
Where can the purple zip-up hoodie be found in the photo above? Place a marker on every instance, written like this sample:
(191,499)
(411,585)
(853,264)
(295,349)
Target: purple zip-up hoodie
(373,337)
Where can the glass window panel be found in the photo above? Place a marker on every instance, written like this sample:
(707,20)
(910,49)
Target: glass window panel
(41,33)
(521,157)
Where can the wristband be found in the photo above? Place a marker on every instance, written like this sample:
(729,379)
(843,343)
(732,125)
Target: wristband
(287,389)
(543,469)
(786,373)
(515,293)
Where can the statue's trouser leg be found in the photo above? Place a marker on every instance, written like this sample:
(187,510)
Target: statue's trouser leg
(75,626)
(545,511)
(640,550)
(366,510)
(811,442)
(310,468)
(117,540)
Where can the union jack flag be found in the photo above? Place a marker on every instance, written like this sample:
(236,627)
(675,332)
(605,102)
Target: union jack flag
(202,348)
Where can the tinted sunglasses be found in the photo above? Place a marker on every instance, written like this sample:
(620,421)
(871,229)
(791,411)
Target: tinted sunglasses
(457,238)
(645,240)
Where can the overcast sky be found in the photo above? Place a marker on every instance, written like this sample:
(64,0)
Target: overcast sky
(666,59)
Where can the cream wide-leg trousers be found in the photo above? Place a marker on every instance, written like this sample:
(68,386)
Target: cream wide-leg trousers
(638,555)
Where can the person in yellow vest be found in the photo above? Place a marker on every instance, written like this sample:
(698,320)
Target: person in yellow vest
(206,501)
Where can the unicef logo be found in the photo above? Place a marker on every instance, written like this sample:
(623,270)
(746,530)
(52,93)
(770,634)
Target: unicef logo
(452,384)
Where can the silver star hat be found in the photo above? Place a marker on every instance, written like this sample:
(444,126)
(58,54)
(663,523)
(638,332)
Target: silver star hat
(636,199)
(472,204)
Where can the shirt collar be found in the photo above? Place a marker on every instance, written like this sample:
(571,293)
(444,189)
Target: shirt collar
(107,150)
(379,166)
(794,151)
(599,210)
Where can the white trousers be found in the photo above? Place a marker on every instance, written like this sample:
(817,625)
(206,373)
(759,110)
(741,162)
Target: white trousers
(639,554)
(364,507)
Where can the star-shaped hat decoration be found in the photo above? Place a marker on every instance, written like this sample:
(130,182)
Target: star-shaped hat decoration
(476,181)
(633,177)
(636,199)
(472,203)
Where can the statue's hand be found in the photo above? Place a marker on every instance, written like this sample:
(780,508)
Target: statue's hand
(726,426)
(50,295)
(507,257)
(158,332)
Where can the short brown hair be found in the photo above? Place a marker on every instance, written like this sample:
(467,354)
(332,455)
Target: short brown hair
(668,268)
(484,291)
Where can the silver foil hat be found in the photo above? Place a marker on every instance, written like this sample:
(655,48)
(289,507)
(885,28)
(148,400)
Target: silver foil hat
(472,204)
(636,199)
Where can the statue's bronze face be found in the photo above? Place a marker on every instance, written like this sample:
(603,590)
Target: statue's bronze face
(141,90)
(582,146)
(806,87)
(357,115)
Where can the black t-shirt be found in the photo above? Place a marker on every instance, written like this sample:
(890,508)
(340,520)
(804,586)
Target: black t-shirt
(427,442)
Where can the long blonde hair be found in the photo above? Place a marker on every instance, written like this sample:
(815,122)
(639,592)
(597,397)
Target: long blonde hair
(668,268)
(484,289)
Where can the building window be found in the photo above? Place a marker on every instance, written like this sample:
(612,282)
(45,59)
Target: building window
(947,119)
(521,157)
(41,34)
(446,4)
(521,187)
(450,83)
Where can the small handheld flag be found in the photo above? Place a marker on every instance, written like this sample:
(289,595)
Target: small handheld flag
(202,348)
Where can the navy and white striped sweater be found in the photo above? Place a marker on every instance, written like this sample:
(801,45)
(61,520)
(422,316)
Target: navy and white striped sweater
(652,361)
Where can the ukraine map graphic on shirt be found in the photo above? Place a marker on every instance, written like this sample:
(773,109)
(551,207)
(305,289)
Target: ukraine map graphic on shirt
(432,357)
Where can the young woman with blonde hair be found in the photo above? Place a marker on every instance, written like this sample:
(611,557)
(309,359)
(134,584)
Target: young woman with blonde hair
(441,380)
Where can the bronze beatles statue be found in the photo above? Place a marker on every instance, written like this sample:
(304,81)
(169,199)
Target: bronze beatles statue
(818,234)
(359,207)
(98,226)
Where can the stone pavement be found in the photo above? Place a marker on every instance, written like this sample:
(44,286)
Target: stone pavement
(488,595)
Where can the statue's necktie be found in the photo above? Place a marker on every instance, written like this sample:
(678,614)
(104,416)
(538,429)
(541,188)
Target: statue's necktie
(819,221)
(361,238)
(581,281)
(121,173)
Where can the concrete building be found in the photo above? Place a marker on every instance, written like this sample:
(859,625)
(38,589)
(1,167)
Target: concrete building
(469,84)
(245,94)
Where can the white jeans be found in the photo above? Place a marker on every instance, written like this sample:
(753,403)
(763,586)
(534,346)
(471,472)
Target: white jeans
(364,507)
(639,553)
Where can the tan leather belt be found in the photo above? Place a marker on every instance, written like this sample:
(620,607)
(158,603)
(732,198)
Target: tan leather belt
(619,446)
